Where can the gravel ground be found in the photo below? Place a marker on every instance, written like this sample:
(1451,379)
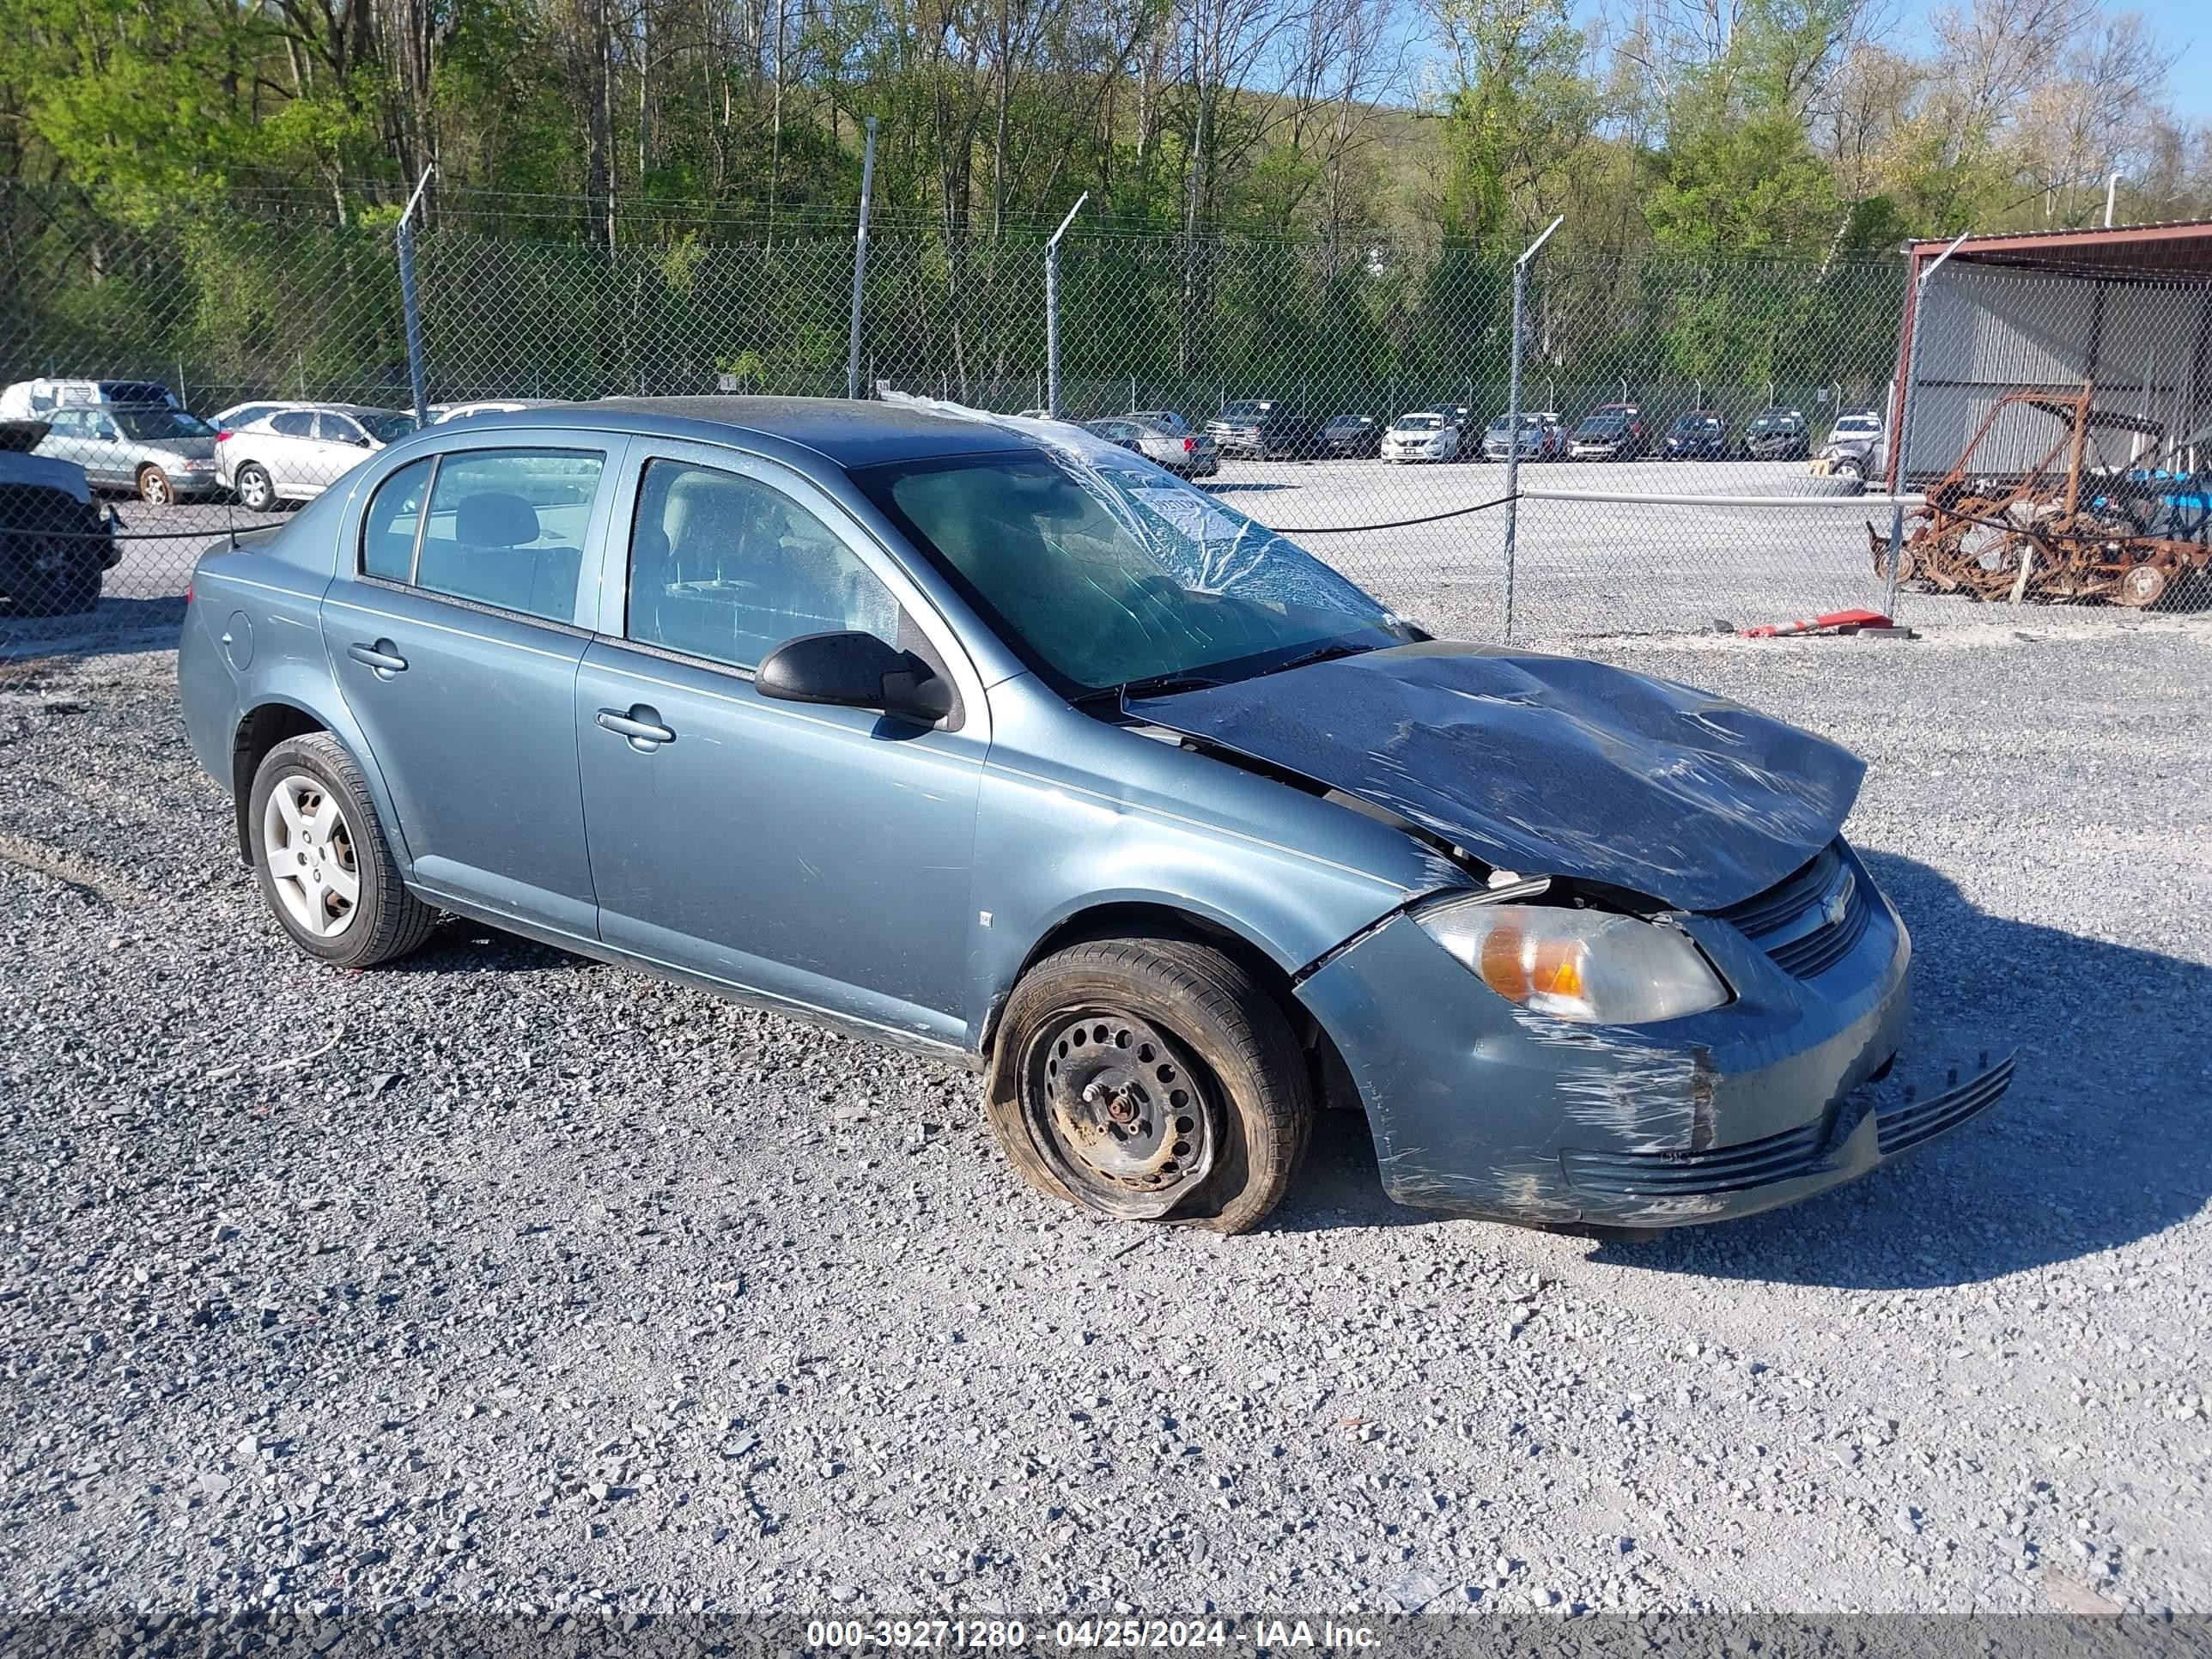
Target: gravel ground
(502,1279)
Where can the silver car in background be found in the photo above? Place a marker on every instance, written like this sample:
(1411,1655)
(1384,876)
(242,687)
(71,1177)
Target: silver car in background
(295,453)
(1541,439)
(156,450)
(1424,435)
(1187,454)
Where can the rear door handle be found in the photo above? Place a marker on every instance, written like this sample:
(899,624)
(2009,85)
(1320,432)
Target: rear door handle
(640,724)
(383,657)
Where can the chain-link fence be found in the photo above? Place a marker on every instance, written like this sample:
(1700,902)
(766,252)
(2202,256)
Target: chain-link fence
(1689,442)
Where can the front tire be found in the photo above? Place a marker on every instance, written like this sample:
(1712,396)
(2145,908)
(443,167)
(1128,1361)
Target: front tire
(325,866)
(64,593)
(1151,1079)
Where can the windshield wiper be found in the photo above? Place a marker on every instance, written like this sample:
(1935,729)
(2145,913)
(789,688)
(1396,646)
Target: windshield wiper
(1328,653)
(1164,685)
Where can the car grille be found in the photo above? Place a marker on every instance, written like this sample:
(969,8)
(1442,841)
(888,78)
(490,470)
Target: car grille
(1906,1127)
(1725,1170)
(1804,1150)
(1810,921)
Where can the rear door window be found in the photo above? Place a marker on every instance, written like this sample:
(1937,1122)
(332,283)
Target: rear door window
(505,528)
(293,423)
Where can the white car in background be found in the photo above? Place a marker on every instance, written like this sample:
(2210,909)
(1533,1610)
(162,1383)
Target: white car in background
(1425,434)
(35,400)
(441,413)
(295,452)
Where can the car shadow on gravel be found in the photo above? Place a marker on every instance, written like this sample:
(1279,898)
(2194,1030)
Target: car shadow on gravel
(116,627)
(458,946)
(2099,1143)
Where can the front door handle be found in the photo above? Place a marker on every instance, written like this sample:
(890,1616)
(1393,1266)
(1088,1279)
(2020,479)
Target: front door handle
(383,657)
(640,724)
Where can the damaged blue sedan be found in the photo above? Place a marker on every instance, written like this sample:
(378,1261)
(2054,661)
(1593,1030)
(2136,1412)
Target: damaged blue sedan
(996,741)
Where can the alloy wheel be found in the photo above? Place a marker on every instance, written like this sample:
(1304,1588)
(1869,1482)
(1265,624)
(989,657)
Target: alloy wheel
(308,848)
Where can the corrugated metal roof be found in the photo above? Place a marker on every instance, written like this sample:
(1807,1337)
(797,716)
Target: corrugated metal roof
(2176,249)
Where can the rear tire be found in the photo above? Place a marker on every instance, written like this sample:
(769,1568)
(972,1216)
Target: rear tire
(315,835)
(1194,1107)
(153,486)
(257,490)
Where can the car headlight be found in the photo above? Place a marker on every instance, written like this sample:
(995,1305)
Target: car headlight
(1589,966)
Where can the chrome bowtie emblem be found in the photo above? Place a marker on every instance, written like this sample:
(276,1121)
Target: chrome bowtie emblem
(1839,904)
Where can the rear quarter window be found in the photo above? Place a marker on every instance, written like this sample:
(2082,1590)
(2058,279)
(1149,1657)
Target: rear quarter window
(387,534)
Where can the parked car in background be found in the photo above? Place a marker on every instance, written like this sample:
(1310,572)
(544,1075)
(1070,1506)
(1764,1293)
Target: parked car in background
(244,414)
(1422,435)
(1776,435)
(1542,439)
(1266,429)
(1611,432)
(156,451)
(294,454)
(55,539)
(1191,455)
(35,400)
(1166,419)
(1352,437)
(918,667)
(1700,434)
(1857,447)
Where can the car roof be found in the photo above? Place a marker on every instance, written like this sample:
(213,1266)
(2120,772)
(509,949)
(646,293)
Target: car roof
(850,434)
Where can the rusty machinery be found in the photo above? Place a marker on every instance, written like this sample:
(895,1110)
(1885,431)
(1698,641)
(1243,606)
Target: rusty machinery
(2060,531)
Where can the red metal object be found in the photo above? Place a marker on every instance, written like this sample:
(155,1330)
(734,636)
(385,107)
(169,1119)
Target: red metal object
(1828,622)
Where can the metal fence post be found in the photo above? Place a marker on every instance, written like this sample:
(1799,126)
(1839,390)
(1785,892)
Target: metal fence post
(1898,458)
(860,262)
(411,306)
(1513,416)
(1052,310)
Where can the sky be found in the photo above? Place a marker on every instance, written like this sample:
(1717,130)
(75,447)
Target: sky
(2185,25)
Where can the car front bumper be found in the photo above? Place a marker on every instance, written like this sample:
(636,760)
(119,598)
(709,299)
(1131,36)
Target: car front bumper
(1480,1108)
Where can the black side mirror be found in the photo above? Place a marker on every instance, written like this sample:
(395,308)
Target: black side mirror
(854,671)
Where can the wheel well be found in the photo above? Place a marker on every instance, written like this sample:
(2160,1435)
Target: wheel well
(258,734)
(1332,1080)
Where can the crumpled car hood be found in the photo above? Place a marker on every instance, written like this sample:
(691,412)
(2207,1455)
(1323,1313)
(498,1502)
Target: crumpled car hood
(1546,765)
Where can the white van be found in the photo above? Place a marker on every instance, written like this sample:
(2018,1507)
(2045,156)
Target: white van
(33,400)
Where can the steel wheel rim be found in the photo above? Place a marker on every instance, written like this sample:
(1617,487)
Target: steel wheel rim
(308,848)
(1118,1111)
